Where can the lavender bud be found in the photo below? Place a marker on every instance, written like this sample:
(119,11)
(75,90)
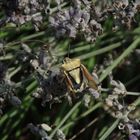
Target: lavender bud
(36,95)
(35,63)
(60,135)
(125,3)
(86,100)
(121,86)
(137,2)
(38,130)
(77,15)
(86,17)
(132,137)
(77,3)
(61,32)
(33,128)
(45,127)
(53,22)
(42,133)
(137,133)
(25,47)
(71,30)
(71,11)
(94,93)
(15,101)
(86,2)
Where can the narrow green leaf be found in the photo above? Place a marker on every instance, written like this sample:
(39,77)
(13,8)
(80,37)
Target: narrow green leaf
(110,130)
(65,118)
(119,59)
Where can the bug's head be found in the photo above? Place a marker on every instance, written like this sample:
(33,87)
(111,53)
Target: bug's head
(67,60)
(70,64)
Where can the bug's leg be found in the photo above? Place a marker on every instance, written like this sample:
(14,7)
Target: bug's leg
(70,86)
(71,92)
(68,82)
(69,98)
(91,82)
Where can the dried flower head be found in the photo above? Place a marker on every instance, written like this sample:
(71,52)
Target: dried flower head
(38,131)
(60,135)
(7,94)
(76,20)
(20,12)
(131,128)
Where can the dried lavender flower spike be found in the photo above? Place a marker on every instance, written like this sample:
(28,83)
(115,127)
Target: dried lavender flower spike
(15,101)
(133,137)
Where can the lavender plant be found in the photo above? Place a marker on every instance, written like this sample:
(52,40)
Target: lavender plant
(35,37)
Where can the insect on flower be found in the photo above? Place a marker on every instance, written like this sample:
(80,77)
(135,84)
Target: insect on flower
(77,76)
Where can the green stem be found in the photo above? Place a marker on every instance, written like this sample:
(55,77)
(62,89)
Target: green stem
(119,59)
(84,129)
(128,93)
(84,47)
(110,130)
(82,116)
(137,77)
(6,57)
(14,72)
(133,93)
(100,51)
(35,34)
(137,102)
(65,118)
(13,112)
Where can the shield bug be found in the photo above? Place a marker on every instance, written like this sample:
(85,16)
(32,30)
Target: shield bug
(77,76)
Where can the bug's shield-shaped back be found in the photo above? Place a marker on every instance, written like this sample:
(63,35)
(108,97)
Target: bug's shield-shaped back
(72,71)
(77,76)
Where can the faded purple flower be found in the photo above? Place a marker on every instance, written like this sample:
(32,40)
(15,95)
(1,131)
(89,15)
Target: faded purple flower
(38,131)
(76,20)
(15,101)
(94,93)
(133,137)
